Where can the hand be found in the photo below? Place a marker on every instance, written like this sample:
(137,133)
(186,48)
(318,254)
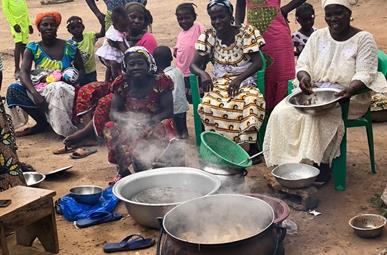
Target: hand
(233,88)
(114,44)
(31,30)
(206,82)
(306,85)
(17,28)
(346,93)
(101,18)
(40,102)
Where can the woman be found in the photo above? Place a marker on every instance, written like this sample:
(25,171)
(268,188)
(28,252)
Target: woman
(140,113)
(271,20)
(90,95)
(52,105)
(339,56)
(233,106)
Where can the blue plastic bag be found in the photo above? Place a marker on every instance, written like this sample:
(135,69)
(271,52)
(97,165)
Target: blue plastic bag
(72,210)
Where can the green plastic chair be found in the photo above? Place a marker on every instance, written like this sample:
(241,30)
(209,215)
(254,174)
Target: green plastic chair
(196,100)
(382,62)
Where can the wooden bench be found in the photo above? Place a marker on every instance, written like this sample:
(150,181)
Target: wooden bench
(31,215)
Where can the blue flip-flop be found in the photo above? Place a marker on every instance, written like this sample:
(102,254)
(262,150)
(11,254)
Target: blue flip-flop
(97,218)
(129,243)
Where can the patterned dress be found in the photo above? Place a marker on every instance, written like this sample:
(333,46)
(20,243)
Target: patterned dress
(240,117)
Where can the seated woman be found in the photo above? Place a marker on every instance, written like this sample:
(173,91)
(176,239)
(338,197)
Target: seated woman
(233,107)
(89,95)
(53,104)
(339,56)
(141,114)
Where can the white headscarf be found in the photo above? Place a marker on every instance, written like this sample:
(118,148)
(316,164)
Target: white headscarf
(345,3)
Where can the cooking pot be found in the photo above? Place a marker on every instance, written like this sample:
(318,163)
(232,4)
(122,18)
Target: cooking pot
(222,224)
(230,178)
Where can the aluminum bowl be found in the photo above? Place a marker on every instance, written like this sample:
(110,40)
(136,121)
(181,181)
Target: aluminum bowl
(368,225)
(322,100)
(147,214)
(33,179)
(295,175)
(86,194)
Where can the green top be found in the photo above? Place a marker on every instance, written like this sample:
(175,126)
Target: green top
(87,49)
(16,12)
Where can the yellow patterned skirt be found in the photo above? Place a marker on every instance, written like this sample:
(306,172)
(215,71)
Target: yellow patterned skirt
(237,118)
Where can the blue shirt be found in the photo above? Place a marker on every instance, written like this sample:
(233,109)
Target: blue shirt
(111,4)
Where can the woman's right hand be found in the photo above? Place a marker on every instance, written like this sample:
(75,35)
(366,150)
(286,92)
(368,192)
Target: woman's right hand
(306,84)
(40,102)
(206,82)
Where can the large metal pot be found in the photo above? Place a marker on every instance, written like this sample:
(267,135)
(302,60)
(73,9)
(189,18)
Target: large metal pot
(207,226)
(146,213)
(230,178)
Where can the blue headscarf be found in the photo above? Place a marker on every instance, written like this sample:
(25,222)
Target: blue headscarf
(225,3)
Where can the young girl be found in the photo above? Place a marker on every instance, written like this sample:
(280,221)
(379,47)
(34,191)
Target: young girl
(185,45)
(304,17)
(111,56)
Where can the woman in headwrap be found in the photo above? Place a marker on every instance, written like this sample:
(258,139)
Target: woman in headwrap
(141,112)
(340,56)
(53,105)
(90,95)
(233,106)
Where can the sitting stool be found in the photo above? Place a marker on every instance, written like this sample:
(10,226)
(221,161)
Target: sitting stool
(31,214)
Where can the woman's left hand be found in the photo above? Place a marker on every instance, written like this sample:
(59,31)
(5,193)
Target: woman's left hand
(233,88)
(346,93)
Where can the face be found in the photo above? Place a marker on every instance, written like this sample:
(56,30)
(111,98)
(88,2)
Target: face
(185,19)
(76,29)
(220,18)
(338,18)
(136,66)
(136,21)
(122,24)
(306,20)
(48,28)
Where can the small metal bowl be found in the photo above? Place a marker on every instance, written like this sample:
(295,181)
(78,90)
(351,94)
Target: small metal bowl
(295,175)
(320,101)
(368,225)
(86,194)
(33,179)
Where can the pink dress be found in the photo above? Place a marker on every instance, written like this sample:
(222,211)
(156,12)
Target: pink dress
(267,17)
(185,47)
(148,41)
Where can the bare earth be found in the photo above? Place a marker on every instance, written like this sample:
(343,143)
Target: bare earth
(325,234)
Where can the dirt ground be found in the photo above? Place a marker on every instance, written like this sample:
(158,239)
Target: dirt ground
(328,233)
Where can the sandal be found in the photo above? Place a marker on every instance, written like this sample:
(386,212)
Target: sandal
(97,218)
(129,243)
(83,152)
(64,150)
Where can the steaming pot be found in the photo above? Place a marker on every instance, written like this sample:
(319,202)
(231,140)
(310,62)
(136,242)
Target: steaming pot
(208,219)
(228,176)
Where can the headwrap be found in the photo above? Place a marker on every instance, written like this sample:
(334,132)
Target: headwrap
(55,15)
(134,6)
(225,3)
(143,51)
(345,3)
(74,20)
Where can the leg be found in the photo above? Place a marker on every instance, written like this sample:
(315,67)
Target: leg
(370,138)
(181,124)
(78,136)
(19,50)
(3,242)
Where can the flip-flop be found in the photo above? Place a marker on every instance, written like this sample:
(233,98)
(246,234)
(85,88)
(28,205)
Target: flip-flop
(97,218)
(64,150)
(129,243)
(83,152)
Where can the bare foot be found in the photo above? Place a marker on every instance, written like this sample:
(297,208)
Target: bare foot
(74,138)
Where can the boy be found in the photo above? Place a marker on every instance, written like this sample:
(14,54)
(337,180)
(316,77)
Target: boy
(163,58)
(86,45)
(16,13)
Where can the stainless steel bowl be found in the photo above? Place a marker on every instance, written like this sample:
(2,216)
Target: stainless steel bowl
(320,101)
(86,194)
(295,175)
(146,213)
(368,225)
(33,179)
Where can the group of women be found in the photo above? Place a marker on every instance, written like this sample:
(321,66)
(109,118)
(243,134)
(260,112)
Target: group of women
(136,108)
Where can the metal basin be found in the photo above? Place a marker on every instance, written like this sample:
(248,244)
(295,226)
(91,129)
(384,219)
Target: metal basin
(295,175)
(322,100)
(368,225)
(33,179)
(150,194)
(86,194)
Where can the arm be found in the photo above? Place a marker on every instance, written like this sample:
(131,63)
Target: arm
(101,32)
(199,61)
(240,12)
(286,9)
(166,107)
(11,20)
(78,64)
(93,7)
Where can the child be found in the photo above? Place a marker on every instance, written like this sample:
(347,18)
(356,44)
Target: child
(163,58)
(16,13)
(305,17)
(111,56)
(184,50)
(86,46)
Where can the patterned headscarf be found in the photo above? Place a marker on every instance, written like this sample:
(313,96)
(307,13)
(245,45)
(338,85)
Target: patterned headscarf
(55,15)
(225,3)
(143,51)
(345,3)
